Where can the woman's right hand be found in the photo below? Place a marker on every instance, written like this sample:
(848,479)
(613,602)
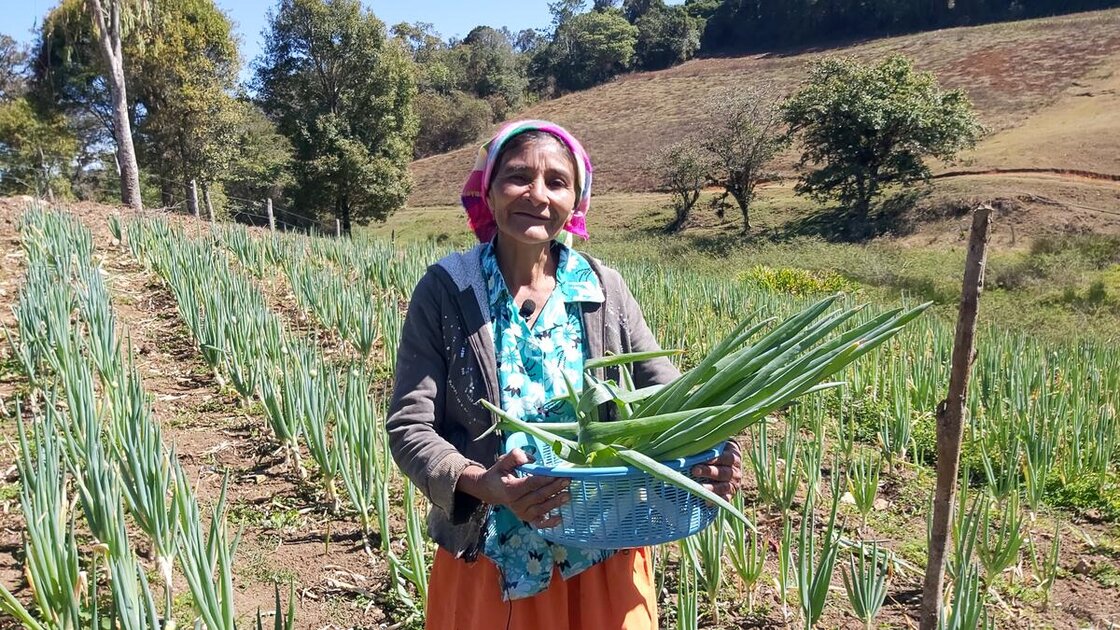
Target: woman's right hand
(529,498)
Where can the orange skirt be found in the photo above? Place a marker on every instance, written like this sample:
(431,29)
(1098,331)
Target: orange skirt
(616,594)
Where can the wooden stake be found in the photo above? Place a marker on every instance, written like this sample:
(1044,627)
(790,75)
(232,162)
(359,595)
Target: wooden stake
(209,204)
(271,217)
(192,199)
(950,414)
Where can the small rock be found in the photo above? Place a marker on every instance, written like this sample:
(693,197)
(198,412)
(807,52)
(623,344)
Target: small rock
(848,499)
(1084,566)
(881,504)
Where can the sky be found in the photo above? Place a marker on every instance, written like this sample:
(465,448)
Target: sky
(18,18)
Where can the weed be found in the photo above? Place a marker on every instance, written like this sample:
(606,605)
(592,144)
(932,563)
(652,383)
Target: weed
(1090,491)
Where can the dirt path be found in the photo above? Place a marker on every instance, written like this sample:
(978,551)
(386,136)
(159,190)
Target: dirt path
(286,531)
(1067,174)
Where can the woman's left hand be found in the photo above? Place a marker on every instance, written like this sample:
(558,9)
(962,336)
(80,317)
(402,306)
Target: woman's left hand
(725,472)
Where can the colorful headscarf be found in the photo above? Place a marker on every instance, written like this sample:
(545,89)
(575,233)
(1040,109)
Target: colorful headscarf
(475,192)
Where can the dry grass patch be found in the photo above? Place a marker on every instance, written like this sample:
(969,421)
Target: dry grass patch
(1011,71)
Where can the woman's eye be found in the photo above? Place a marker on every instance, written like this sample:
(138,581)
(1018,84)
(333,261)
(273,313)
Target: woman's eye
(559,183)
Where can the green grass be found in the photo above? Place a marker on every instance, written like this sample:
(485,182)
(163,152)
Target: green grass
(9,491)
(1057,287)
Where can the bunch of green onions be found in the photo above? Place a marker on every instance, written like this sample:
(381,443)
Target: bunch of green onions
(738,384)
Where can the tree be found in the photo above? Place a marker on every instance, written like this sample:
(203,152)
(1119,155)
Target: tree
(181,75)
(13,69)
(449,121)
(492,70)
(436,69)
(743,138)
(342,92)
(863,127)
(185,66)
(589,49)
(111,19)
(701,9)
(528,41)
(666,37)
(682,168)
(35,151)
(261,162)
(68,79)
(634,10)
(564,10)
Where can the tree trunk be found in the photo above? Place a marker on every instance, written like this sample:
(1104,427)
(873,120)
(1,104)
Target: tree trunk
(743,199)
(685,201)
(950,414)
(344,217)
(108,26)
(166,192)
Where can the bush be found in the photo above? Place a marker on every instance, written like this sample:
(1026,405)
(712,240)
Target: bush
(796,281)
(682,168)
(868,412)
(1097,250)
(449,121)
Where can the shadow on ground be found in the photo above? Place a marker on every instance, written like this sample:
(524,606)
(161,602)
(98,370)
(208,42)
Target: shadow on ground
(840,224)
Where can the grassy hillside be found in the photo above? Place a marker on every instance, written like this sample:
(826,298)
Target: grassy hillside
(1054,269)
(1046,89)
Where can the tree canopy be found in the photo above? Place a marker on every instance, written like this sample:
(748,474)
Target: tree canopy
(865,126)
(342,92)
(588,49)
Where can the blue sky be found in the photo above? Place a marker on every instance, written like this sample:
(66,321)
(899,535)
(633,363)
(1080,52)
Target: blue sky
(450,17)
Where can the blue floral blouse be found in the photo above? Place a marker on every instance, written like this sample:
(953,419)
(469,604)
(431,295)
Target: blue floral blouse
(532,363)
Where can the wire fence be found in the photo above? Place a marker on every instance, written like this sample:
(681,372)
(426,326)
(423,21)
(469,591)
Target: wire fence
(174,198)
(243,210)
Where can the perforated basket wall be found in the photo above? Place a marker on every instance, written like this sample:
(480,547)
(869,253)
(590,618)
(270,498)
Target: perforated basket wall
(618,507)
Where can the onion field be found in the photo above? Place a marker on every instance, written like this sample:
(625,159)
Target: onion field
(126,513)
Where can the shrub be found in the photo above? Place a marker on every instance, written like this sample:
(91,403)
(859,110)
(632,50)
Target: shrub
(796,281)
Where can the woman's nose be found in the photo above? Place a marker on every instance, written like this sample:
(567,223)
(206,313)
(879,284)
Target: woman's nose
(538,191)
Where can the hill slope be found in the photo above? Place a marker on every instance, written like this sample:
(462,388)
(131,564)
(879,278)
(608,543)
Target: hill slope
(1046,89)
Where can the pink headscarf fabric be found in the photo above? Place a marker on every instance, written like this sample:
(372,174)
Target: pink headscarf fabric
(477,188)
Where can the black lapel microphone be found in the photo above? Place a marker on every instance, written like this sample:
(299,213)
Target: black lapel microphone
(528,307)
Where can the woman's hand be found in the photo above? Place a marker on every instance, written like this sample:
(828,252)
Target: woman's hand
(725,472)
(529,498)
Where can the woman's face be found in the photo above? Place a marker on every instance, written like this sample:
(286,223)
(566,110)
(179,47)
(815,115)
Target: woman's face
(533,192)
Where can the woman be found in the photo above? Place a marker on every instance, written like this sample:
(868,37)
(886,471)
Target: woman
(508,321)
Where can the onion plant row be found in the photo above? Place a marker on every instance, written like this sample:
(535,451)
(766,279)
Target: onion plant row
(91,441)
(314,405)
(1039,416)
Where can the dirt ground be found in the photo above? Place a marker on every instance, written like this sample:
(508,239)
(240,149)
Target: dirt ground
(286,531)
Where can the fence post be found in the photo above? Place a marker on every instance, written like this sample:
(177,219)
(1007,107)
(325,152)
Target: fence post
(192,201)
(337,228)
(271,217)
(209,204)
(950,414)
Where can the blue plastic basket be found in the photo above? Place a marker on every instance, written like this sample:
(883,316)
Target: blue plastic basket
(618,507)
